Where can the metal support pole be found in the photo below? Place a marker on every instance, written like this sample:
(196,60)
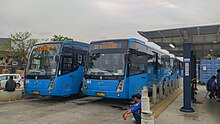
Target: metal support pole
(187,79)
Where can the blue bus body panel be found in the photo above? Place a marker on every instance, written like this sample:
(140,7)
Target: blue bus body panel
(103,85)
(70,83)
(132,84)
(208,68)
(40,85)
(109,87)
(136,83)
(63,85)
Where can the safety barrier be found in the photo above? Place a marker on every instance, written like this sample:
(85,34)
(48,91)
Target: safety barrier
(165,89)
(146,115)
(10,96)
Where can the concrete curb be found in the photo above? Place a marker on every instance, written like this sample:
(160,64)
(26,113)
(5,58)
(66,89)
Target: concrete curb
(10,96)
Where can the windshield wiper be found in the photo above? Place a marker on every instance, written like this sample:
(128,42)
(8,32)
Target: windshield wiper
(111,74)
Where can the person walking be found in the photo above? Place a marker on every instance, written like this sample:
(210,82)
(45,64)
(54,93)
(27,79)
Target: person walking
(135,109)
(10,84)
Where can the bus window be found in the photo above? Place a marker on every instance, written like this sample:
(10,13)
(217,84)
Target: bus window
(79,59)
(67,65)
(138,64)
(42,60)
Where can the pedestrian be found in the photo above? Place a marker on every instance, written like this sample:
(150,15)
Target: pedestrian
(10,84)
(218,85)
(135,109)
(211,86)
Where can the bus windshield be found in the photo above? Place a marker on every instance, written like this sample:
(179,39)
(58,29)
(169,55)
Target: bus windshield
(105,64)
(43,60)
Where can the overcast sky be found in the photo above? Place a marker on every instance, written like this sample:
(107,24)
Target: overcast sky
(88,20)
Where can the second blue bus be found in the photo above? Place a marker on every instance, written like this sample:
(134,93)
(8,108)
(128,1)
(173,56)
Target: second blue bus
(121,67)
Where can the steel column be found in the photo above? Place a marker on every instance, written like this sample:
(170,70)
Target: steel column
(187,78)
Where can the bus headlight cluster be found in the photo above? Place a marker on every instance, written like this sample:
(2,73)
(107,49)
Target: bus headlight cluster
(84,83)
(51,86)
(120,86)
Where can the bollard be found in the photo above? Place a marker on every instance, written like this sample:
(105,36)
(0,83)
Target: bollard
(154,95)
(173,86)
(169,87)
(160,91)
(165,88)
(146,115)
(178,81)
(176,84)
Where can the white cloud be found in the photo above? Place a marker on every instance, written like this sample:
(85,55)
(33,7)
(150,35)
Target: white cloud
(88,20)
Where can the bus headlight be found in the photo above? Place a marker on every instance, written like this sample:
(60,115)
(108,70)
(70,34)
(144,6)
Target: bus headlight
(120,86)
(51,86)
(84,83)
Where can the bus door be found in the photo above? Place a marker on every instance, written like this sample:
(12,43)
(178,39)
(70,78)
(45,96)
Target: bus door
(66,70)
(78,66)
(153,71)
(137,75)
(65,78)
(71,69)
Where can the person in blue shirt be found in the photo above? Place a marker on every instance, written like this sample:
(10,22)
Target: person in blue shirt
(211,86)
(135,109)
(218,85)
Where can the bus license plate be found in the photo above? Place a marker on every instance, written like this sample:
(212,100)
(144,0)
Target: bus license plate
(36,92)
(100,94)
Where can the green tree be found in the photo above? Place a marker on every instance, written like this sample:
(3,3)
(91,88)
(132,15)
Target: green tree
(19,45)
(60,38)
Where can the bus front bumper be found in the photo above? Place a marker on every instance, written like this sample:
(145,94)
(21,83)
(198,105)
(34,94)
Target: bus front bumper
(106,94)
(41,92)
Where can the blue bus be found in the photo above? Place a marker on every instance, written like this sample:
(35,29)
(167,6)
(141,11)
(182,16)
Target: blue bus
(177,68)
(121,67)
(56,68)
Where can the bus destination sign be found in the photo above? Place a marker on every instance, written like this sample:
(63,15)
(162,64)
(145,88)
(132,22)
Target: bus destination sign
(106,45)
(46,48)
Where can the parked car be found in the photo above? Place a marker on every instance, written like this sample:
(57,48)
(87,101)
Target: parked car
(16,77)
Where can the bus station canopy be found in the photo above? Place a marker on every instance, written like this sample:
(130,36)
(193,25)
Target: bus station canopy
(204,40)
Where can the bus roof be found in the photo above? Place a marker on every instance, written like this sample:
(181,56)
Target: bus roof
(134,40)
(108,40)
(65,41)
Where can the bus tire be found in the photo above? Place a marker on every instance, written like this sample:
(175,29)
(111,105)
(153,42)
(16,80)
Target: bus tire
(80,93)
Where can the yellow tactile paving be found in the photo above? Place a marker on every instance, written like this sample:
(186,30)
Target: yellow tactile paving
(159,107)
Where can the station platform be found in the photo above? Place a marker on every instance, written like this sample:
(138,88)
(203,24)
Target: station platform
(206,113)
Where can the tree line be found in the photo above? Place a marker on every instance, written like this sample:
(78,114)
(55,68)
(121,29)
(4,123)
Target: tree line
(18,46)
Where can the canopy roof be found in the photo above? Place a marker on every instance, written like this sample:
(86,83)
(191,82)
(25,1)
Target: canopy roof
(205,40)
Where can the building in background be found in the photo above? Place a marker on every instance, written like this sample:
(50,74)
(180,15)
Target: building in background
(8,63)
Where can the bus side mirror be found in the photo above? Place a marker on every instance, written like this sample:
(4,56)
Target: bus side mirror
(127,58)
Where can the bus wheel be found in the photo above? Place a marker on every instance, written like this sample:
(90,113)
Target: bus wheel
(18,85)
(80,92)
